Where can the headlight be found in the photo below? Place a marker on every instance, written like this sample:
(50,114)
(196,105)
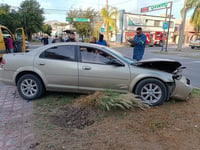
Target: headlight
(177,74)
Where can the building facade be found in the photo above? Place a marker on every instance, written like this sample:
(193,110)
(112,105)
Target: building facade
(151,25)
(189,32)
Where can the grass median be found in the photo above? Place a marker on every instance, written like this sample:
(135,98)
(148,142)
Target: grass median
(61,122)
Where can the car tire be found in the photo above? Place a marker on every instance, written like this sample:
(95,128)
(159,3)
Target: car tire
(152,91)
(192,47)
(30,87)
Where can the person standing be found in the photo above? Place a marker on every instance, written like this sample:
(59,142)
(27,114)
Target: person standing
(71,37)
(45,39)
(101,41)
(55,40)
(93,40)
(139,43)
(60,38)
(9,44)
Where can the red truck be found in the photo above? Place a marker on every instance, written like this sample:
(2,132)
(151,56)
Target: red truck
(153,38)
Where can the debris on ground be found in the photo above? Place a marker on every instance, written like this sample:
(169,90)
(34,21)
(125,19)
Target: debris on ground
(75,117)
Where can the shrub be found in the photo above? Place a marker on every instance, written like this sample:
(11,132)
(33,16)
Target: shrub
(109,100)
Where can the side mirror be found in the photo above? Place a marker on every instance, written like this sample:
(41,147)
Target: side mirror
(115,62)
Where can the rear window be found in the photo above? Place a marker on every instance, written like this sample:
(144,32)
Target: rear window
(64,52)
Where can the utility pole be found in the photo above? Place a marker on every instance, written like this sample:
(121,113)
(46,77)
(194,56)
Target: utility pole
(169,22)
(107,5)
(181,33)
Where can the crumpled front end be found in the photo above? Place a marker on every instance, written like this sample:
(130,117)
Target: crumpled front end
(183,89)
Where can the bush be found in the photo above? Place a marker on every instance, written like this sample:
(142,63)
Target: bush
(109,100)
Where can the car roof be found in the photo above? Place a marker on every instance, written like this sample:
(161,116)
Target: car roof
(38,50)
(77,43)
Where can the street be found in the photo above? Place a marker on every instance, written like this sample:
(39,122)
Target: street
(192,70)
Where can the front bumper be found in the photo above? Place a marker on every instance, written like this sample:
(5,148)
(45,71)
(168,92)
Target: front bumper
(183,89)
(6,77)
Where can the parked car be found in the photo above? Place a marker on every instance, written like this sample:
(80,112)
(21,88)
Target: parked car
(85,67)
(195,43)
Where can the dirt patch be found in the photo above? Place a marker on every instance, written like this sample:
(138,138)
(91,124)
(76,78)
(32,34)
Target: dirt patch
(174,125)
(74,117)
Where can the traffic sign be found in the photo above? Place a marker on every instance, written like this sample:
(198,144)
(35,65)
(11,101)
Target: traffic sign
(165,25)
(102,29)
(81,19)
(156,7)
(69,19)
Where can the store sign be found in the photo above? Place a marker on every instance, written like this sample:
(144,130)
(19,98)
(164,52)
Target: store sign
(156,7)
(81,19)
(133,21)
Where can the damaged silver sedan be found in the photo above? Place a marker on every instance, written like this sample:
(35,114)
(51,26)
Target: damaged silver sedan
(84,67)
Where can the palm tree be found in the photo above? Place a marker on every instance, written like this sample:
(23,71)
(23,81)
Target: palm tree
(188,5)
(195,19)
(109,18)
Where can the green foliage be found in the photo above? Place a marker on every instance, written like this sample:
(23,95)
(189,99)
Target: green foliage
(53,101)
(195,19)
(122,101)
(109,18)
(31,17)
(97,28)
(196,92)
(10,19)
(47,29)
(83,28)
(109,100)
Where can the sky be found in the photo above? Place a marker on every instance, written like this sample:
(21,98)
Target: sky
(57,9)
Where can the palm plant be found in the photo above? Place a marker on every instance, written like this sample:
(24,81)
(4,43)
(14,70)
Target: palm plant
(195,19)
(188,5)
(109,18)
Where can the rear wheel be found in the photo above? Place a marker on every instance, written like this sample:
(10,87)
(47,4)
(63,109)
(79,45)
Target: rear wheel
(152,91)
(30,87)
(192,47)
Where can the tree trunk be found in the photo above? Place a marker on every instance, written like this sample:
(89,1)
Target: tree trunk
(181,33)
(29,35)
(107,33)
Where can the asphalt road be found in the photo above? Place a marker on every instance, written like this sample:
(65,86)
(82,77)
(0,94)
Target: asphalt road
(192,65)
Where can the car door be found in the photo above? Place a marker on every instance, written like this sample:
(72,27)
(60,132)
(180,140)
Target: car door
(20,41)
(4,33)
(95,73)
(59,66)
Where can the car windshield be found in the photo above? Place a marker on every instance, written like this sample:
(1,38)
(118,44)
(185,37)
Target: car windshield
(121,56)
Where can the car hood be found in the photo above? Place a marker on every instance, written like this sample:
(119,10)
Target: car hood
(166,65)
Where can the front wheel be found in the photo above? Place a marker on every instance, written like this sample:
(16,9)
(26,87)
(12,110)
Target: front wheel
(152,91)
(30,87)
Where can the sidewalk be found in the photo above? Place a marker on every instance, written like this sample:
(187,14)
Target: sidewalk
(15,121)
(183,53)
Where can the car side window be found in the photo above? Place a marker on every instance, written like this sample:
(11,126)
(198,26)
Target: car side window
(6,33)
(93,55)
(64,52)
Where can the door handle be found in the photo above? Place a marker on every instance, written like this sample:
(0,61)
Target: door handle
(41,64)
(86,68)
